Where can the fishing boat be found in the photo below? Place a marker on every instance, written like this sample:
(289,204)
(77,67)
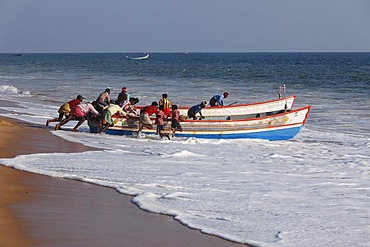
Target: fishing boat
(146,56)
(236,111)
(280,126)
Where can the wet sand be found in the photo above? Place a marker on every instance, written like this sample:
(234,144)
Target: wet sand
(37,210)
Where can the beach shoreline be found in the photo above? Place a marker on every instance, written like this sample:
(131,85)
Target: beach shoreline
(46,211)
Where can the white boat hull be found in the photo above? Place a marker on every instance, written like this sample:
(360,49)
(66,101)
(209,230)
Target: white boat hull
(282,126)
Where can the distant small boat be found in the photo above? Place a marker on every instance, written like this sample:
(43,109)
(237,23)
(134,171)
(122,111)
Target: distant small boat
(17,55)
(146,56)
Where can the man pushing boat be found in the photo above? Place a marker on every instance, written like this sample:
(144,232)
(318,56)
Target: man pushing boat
(145,114)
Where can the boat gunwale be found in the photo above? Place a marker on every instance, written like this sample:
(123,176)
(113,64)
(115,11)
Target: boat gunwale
(249,104)
(294,97)
(255,118)
(244,119)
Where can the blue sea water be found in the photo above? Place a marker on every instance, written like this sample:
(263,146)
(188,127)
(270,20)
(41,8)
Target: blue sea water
(313,190)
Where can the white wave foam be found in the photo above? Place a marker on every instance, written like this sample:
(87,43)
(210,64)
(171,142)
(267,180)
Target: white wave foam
(184,154)
(9,89)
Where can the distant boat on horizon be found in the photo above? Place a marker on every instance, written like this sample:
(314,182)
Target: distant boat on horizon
(17,55)
(146,56)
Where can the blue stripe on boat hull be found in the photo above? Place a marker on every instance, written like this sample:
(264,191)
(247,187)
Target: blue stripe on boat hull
(272,135)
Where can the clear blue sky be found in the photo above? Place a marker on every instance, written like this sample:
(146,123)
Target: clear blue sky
(184,25)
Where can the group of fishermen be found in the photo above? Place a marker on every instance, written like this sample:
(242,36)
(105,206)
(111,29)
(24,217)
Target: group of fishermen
(99,112)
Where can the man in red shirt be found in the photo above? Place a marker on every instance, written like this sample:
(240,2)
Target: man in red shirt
(145,114)
(65,109)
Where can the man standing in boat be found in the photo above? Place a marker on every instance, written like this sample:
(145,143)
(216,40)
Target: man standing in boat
(218,100)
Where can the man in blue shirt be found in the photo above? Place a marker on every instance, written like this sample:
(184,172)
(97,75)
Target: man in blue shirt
(197,109)
(218,100)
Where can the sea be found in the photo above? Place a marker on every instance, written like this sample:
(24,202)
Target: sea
(312,190)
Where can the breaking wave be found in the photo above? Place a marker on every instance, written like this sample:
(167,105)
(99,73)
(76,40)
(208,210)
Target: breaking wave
(9,89)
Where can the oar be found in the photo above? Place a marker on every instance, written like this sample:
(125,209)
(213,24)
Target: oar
(233,103)
(229,118)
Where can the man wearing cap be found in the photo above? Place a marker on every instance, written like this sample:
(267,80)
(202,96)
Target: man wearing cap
(197,109)
(65,109)
(218,100)
(79,112)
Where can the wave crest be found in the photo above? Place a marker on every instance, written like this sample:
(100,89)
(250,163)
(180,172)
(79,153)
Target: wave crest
(184,153)
(9,89)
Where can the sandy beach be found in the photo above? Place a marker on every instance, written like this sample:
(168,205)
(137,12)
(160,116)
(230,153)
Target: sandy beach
(38,210)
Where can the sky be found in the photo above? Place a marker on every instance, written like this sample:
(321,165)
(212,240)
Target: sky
(184,26)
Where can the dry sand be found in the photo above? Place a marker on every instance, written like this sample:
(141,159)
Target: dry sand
(37,210)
